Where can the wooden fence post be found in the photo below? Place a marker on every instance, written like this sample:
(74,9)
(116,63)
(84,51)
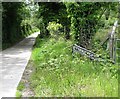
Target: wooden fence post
(118,34)
(112,41)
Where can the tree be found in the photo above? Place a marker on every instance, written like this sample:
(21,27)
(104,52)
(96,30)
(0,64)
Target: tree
(48,11)
(13,27)
(85,17)
(52,11)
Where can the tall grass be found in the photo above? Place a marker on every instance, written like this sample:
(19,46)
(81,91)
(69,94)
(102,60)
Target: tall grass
(57,73)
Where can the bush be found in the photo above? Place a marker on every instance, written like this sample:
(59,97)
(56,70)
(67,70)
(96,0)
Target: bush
(54,28)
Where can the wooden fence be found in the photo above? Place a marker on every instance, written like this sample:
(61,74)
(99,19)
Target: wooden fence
(111,38)
(86,52)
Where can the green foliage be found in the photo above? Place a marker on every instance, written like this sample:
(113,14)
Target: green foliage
(15,22)
(10,10)
(57,73)
(52,11)
(41,26)
(47,12)
(21,86)
(26,27)
(85,19)
(18,94)
(54,28)
(81,19)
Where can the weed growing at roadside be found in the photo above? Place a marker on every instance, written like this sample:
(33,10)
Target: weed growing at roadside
(57,73)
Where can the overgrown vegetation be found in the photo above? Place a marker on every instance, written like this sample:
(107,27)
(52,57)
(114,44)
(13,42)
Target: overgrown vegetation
(57,73)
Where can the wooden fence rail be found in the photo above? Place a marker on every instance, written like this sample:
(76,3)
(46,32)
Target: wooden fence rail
(85,52)
(111,38)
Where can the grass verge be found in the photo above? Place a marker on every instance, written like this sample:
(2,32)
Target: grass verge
(57,73)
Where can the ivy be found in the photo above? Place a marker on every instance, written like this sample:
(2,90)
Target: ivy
(85,17)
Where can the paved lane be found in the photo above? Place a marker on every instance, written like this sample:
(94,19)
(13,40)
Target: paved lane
(14,61)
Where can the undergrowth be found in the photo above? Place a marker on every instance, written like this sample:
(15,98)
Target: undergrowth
(57,73)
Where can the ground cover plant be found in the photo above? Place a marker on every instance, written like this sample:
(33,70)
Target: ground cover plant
(57,73)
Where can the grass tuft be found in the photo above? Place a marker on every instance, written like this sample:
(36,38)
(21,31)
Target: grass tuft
(57,73)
